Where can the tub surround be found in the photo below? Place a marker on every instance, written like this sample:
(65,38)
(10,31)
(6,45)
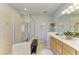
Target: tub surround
(73,44)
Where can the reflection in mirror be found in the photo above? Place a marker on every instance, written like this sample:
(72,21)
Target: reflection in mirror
(70,21)
(76,27)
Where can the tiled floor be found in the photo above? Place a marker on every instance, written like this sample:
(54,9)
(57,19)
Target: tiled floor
(41,46)
(42,49)
(24,49)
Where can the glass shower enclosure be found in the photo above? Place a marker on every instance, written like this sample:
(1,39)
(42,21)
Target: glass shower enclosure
(24,29)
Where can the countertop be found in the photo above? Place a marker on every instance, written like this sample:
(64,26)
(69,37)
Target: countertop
(74,43)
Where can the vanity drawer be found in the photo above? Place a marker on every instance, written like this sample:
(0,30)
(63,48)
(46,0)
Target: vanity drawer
(53,45)
(65,52)
(59,51)
(59,42)
(77,52)
(68,50)
(59,47)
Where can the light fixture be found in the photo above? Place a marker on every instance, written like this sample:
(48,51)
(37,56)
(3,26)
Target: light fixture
(70,7)
(63,12)
(25,9)
(72,10)
(68,12)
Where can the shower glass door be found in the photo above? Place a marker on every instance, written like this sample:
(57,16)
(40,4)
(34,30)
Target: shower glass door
(24,28)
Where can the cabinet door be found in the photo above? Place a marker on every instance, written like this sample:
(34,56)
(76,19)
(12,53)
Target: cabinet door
(77,52)
(67,50)
(59,50)
(53,45)
(59,47)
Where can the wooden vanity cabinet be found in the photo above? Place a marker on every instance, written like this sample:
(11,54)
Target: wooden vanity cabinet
(67,50)
(56,46)
(53,45)
(59,47)
(77,52)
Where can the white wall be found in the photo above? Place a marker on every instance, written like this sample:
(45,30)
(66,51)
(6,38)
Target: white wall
(42,26)
(6,28)
(39,26)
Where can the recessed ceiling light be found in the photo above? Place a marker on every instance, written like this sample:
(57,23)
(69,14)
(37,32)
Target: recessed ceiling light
(25,9)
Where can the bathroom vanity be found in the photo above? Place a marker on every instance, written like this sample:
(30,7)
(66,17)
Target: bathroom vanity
(62,46)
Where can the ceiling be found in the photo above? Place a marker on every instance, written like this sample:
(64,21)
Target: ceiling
(36,8)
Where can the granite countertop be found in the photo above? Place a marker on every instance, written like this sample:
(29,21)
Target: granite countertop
(74,43)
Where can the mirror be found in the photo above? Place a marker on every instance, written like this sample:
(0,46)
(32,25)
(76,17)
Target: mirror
(70,22)
(76,27)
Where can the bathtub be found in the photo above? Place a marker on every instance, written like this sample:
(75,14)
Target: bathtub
(21,48)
